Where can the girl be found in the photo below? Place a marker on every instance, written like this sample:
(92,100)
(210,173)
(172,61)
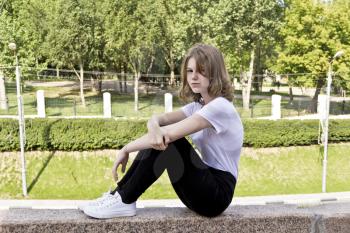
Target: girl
(204,184)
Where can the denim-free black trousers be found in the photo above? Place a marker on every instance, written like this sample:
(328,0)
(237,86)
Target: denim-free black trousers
(203,189)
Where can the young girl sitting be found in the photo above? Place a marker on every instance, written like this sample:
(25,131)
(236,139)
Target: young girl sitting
(204,184)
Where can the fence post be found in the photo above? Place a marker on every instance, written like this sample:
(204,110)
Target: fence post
(40,100)
(168,102)
(321,106)
(107,110)
(276,107)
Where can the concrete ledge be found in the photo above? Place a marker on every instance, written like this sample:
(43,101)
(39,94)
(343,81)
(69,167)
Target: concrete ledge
(261,218)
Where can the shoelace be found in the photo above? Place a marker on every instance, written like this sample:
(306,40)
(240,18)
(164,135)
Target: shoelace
(98,200)
(108,200)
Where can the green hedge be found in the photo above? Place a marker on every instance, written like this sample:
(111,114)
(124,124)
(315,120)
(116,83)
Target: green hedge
(265,133)
(92,134)
(70,134)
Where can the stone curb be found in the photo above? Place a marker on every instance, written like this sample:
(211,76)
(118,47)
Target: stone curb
(296,199)
(331,217)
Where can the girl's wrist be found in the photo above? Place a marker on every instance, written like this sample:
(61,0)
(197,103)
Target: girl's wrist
(153,124)
(155,121)
(125,149)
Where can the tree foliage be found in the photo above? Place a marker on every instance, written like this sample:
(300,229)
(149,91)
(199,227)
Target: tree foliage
(312,33)
(153,35)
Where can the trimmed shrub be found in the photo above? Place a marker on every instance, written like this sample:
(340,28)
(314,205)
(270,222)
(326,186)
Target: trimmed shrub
(265,133)
(94,134)
(70,134)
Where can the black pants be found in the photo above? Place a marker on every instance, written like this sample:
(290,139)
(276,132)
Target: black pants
(203,189)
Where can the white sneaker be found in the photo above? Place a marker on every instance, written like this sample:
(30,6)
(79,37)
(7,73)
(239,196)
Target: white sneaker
(93,202)
(110,207)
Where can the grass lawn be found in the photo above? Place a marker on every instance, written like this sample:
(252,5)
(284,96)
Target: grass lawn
(85,175)
(65,101)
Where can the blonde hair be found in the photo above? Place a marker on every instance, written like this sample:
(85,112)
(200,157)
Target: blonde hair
(210,63)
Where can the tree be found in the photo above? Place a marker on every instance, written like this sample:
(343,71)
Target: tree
(240,28)
(172,28)
(312,33)
(24,26)
(133,35)
(75,38)
(6,58)
(3,97)
(339,20)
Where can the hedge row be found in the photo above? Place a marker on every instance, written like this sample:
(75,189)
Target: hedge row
(70,134)
(264,133)
(93,134)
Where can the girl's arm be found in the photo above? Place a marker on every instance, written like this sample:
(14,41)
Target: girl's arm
(141,143)
(171,132)
(157,134)
(183,128)
(166,118)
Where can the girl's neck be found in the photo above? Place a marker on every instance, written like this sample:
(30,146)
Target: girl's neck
(206,99)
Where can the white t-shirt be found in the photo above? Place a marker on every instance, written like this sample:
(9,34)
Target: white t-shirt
(220,146)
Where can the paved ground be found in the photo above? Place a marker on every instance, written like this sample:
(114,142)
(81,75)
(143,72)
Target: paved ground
(321,218)
(299,199)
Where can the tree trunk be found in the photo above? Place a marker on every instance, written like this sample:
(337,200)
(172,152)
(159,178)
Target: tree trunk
(57,72)
(120,69)
(124,76)
(290,94)
(136,90)
(172,78)
(120,80)
(147,79)
(313,105)
(172,73)
(3,97)
(99,85)
(150,65)
(82,97)
(247,81)
(37,68)
(93,84)
(258,79)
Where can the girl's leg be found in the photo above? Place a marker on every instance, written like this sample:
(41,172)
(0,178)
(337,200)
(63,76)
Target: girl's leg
(203,189)
(147,167)
(139,176)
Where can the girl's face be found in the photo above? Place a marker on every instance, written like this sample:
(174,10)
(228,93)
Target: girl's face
(198,82)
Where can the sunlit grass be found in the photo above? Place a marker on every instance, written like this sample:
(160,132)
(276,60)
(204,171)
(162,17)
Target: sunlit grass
(85,175)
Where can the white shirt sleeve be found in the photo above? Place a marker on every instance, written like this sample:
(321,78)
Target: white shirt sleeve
(188,109)
(219,114)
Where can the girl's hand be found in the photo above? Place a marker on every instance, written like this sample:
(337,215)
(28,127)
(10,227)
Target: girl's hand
(122,158)
(159,138)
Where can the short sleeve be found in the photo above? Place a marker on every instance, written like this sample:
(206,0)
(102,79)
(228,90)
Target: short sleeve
(188,109)
(219,113)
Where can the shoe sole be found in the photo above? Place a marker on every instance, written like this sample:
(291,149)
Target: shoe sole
(110,215)
(80,208)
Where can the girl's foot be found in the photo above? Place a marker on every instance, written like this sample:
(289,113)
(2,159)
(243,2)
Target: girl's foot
(110,206)
(93,202)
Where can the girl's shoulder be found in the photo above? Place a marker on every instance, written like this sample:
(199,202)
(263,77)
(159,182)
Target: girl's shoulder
(221,101)
(223,105)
